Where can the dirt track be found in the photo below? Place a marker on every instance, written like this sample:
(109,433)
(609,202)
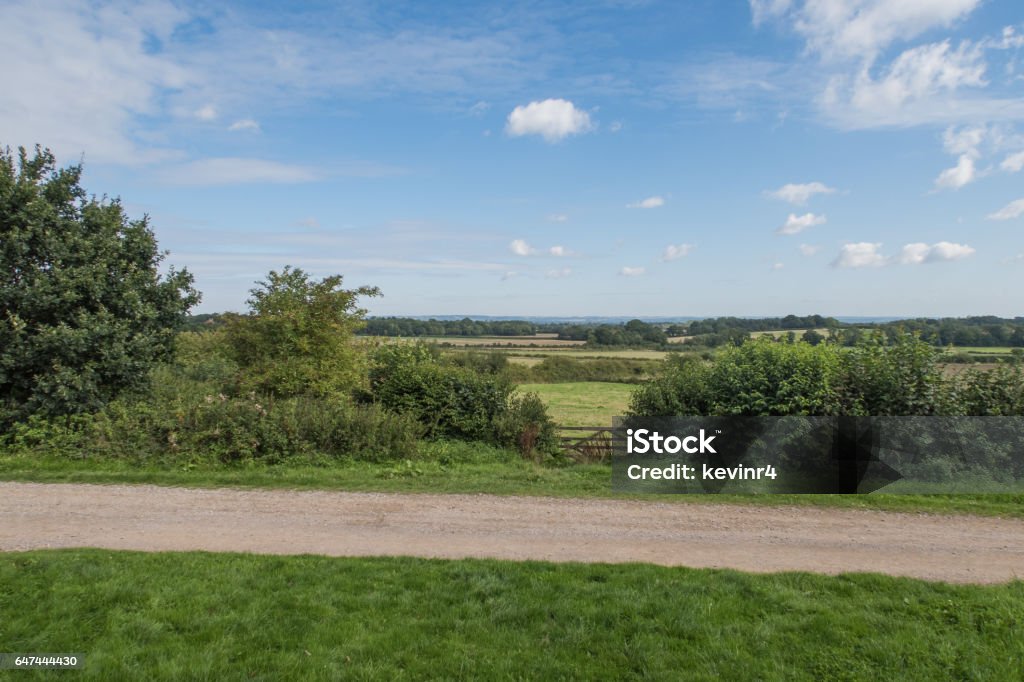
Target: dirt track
(749,538)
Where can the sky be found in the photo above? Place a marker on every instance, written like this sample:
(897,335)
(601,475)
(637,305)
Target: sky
(616,157)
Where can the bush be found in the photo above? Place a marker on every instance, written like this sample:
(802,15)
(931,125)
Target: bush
(184,420)
(878,377)
(453,401)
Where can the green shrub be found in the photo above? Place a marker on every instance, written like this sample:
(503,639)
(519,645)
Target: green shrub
(526,426)
(453,401)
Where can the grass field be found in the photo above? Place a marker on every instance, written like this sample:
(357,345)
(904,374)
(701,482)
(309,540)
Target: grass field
(584,403)
(454,469)
(982,350)
(175,616)
(545,340)
(580,353)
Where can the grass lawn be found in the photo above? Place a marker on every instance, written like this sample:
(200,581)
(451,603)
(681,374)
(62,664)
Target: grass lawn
(227,616)
(583,403)
(460,474)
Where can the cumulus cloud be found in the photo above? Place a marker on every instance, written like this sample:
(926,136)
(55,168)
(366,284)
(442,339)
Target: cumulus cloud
(1013,163)
(244,125)
(1012,210)
(649,202)
(868,255)
(799,193)
(521,248)
(959,175)
(632,272)
(558,273)
(675,251)
(559,251)
(860,255)
(796,224)
(552,119)
(919,253)
(808,249)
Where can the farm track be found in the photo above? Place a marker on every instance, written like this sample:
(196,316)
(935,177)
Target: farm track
(961,549)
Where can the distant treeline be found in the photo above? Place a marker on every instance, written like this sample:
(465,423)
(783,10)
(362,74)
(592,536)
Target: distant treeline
(983,331)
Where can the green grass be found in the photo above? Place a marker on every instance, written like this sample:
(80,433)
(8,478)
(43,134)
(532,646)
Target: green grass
(174,616)
(583,403)
(982,350)
(577,353)
(461,474)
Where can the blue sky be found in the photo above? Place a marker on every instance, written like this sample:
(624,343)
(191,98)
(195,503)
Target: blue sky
(854,157)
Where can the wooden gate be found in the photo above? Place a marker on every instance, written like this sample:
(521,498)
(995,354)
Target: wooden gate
(586,443)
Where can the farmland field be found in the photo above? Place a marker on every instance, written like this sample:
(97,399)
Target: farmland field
(544,340)
(584,403)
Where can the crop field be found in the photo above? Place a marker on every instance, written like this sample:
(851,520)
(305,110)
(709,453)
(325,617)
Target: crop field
(504,341)
(584,403)
(580,354)
(982,350)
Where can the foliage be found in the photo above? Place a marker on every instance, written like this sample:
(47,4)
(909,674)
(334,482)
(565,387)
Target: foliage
(297,338)
(84,312)
(451,400)
(878,377)
(898,377)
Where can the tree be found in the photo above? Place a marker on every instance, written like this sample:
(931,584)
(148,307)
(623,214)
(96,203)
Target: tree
(298,336)
(84,311)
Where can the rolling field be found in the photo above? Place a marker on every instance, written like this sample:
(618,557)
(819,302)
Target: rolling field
(544,340)
(584,403)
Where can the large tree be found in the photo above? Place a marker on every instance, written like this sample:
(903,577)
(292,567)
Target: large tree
(84,310)
(297,337)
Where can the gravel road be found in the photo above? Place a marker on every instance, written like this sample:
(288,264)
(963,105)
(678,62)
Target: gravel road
(962,549)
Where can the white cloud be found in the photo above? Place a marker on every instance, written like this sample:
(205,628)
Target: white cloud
(509,275)
(963,141)
(959,175)
(77,78)
(559,251)
(206,113)
(1012,210)
(235,171)
(632,272)
(778,266)
(649,202)
(808,250)
(521,248)
(798,194)
(920,86)
(919,253)
(246,125)
(796,224)
(558,273)
(552,119)
(675,251)
(479,108)
(557,218)
(840,29)
(859,255)
(615,126)
(1013,163)
(310,222)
